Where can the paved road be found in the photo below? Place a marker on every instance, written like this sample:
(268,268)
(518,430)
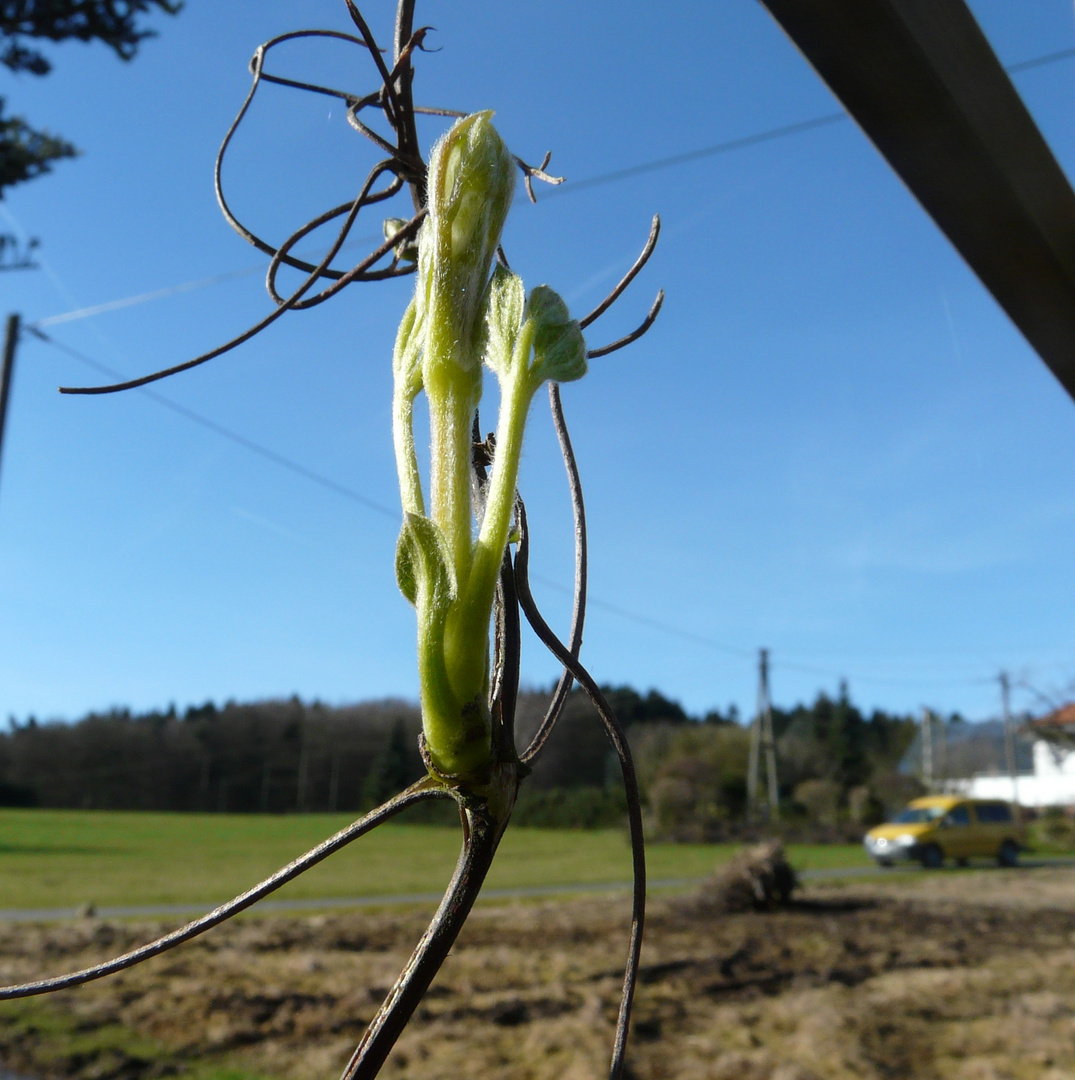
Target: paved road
(914,868)
(534,891)
(321,904)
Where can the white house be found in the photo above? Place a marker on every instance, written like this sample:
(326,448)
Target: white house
(1052,783)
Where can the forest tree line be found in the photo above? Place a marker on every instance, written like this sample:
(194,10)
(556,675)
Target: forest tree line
(836,764)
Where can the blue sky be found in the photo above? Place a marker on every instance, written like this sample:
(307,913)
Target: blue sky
(832,443)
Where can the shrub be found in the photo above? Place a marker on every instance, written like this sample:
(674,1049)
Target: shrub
(895,790)
(693,778)
(571,808)
(1054,830)
(820,799)
(864,807)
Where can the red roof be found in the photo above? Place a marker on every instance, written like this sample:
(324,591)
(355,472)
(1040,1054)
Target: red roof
(1060,718)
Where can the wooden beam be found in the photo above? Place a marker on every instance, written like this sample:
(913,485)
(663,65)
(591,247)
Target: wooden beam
(921,80)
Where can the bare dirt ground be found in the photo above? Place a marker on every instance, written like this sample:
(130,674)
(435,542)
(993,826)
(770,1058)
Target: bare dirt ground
(968,976)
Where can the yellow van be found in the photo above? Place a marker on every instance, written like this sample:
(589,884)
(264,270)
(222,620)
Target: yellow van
(939,827)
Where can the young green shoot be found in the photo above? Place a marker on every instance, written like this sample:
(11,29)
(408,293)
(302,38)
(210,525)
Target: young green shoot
(465,315)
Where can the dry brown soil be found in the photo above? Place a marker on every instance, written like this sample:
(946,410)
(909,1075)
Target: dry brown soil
(969,976)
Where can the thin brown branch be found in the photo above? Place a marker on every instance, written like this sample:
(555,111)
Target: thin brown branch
(643,258)
(618,739)
(363,129)
(532,173)
(392,106)
(404,91)
(423,789)
(506,657)
(353,209)
(634,335)
(483,829)
(131,384)
(578,614)
(280,257)
(257,64)
(427,110)
(313,88)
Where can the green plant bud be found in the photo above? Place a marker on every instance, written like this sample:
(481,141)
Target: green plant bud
(407,355)
(503,317)
(407,250)
(559,348)
(471,183)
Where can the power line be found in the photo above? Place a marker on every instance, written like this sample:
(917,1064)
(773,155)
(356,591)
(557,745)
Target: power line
(612,177)
(370,504)
(654,624)
(672,161)
(355,496)
(749,654)
(226,433)
(696,155)
(1040,61)
(770,135)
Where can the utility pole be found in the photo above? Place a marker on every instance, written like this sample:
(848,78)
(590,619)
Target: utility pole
(11,338)
(762,743)
(1009,734)
(941,754)
(927,748)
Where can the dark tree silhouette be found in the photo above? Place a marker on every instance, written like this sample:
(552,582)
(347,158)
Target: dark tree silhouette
(25,152)
(392,769)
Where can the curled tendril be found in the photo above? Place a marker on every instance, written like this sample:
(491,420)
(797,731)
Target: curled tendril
(403,163)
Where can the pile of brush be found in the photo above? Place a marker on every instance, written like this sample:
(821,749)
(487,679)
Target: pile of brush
(758,878)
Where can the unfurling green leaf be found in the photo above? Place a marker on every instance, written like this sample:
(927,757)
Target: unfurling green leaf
(559,348)
(423,565)
(407,355)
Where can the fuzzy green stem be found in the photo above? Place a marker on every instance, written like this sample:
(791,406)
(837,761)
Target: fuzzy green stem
(511,424)
(406,384)
(453,394)
(468,621)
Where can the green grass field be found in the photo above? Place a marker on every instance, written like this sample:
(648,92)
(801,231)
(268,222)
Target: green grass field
(60,858)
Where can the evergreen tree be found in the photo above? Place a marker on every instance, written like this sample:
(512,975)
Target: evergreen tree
(390,773)
(25,152)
